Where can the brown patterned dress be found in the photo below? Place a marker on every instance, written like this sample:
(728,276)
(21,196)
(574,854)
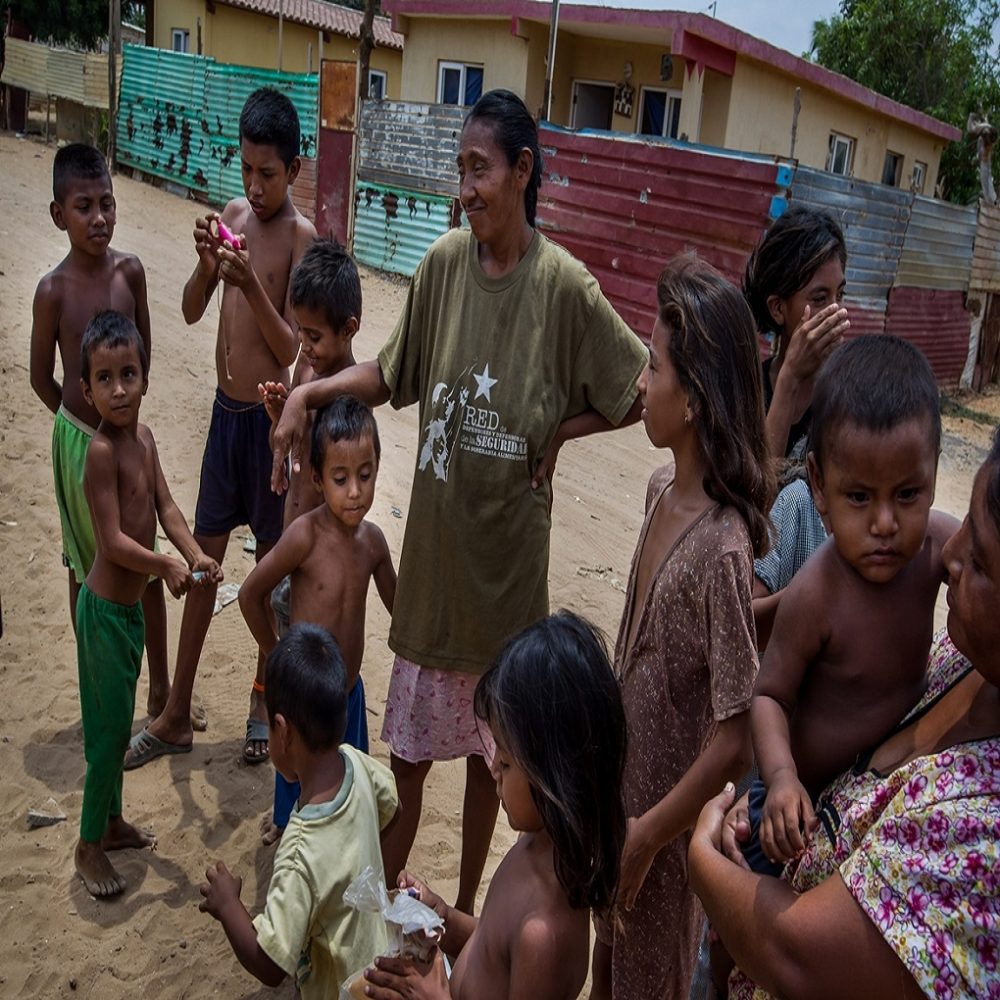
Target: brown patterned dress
(692,665)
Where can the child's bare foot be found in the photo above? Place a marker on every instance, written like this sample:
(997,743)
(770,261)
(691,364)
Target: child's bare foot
(97,872)
(269,833)
(121,835)
(199,718)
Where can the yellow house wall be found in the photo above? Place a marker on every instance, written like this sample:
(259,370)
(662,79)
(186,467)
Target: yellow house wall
(243,38)
(488,43)
(760,121)
(715,108)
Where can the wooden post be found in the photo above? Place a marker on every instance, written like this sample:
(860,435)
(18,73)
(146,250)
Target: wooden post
(796,108)
(48,115)
(281,26)
(550,62)
(114,50)
(367,43)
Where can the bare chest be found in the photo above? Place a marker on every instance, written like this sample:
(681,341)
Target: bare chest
(137,493)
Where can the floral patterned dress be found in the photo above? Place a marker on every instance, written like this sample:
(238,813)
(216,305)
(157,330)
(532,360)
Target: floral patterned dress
(919,849)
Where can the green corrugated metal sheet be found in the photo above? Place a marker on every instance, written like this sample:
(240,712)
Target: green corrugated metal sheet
(179,116)
(393,228)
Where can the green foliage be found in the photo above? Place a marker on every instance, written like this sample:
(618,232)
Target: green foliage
(938,56)
(68,22)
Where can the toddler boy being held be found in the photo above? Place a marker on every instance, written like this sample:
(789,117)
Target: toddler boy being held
(848,655)
(306,929)
(126,492)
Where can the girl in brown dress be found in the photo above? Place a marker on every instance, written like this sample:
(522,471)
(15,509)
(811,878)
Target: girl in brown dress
(686,653)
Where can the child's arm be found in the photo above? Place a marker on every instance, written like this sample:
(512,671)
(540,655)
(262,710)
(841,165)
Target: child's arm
(100,486)
(277,329)
(384,572)
(44,338)
(222,900)
(458,926)
(726,758)
(135,274)
(173,521)
(796,640)
(205,276)
(255,594)
(582,425)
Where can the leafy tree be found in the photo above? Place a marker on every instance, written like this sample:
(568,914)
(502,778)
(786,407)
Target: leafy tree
(938,56)
(69,22)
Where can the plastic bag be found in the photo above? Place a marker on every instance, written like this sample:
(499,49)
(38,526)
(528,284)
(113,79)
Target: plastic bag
(413,928)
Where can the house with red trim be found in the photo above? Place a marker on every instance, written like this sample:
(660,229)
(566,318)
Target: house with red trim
(665,73)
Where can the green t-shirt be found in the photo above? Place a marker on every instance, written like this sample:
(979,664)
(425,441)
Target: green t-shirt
(496,365)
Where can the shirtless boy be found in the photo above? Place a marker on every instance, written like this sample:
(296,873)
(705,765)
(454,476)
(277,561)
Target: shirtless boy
(848,655)
(256,344)
(91,277)
(126,492)
(331,554)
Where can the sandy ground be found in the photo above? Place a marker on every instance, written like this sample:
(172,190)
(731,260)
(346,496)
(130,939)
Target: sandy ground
(55,940)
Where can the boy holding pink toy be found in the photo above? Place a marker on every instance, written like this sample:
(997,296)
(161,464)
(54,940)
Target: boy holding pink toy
(251,248)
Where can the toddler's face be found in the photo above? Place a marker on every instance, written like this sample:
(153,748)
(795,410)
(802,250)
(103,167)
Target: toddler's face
(875,491)
(347,480)
(324,348)
(514,790)
(117,383)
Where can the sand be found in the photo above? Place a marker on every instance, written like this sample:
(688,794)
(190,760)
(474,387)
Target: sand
(55,940)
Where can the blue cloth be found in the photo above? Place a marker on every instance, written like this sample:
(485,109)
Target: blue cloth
(286,793)
(797,533)
(235,484)
(755,857)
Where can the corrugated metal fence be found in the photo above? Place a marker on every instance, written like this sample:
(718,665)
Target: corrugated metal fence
(179,118)
(74,76)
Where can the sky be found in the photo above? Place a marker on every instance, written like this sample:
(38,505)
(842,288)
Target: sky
(785,23)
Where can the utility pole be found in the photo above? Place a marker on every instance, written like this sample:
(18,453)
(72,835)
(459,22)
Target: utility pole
(796,108)
(365,46)
(114,50)
(551,62)
(281,28)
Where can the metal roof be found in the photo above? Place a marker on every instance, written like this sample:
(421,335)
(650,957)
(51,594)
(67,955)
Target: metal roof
(326,16)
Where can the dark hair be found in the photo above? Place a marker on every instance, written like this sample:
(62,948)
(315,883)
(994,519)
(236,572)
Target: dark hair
(796,246)
(875,383)
(345,419)
(713,348)
(992,467)
(76,162)
(110,329)
(269,119)
(553,699)
(326,278)
(306,681)
(513,130)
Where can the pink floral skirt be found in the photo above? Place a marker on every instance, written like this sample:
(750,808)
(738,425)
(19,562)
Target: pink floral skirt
(429,716)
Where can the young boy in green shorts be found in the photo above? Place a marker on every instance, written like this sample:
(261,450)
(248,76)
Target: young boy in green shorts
(91,277)
(256,344)
(126,493)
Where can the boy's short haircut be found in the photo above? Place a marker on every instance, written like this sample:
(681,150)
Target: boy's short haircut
(326,278)
(876,383)
(345,419)
(76,162)
(306,682)
(110,329)
(269,119)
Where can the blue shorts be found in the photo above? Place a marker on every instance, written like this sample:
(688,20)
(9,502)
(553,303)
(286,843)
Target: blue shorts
(286,793)
(758,861)
(236,473)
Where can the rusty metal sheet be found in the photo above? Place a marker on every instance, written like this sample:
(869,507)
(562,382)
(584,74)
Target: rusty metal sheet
(624,206)
(410,145)
(985,273)
(937,247)
(338,94)
(333,184)
(81,77)
(303,191)
(936,321)
(874,218)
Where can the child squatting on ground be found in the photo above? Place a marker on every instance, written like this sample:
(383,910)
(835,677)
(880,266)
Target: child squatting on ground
(256,344)
(553,706)
(331,554)
(686,656)
(126,492)
(91,277)
(346,799)
(848,656)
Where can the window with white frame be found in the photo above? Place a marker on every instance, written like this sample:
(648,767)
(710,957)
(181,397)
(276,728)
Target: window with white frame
(459,83)
(180,39)
(377,80)
(841,155)
(892,168)
(659,112)
(918,176)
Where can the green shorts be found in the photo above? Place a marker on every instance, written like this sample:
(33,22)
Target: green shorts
(70,440)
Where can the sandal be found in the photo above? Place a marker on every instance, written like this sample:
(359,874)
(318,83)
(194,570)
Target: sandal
(257,735)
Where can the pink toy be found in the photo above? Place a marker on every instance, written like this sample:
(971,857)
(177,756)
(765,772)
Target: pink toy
(225,236)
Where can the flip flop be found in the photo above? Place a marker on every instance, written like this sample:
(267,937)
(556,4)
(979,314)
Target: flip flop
(256,733)
(144,747)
